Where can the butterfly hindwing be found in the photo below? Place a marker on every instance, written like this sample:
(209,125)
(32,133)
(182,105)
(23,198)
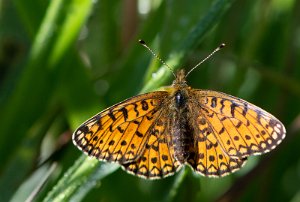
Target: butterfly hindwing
(158,159)
(208,157)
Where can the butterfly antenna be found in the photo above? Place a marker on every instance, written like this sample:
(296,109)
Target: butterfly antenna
(143,43)
(207,57)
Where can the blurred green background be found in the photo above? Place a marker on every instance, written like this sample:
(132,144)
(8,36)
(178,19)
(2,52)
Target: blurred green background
(63,61)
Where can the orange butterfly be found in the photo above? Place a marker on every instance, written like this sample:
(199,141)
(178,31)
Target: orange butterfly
(153,135)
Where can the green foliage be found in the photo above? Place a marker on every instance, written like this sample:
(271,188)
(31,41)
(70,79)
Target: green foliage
(63,61)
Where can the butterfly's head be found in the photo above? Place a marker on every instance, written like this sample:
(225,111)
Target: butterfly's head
(180,78)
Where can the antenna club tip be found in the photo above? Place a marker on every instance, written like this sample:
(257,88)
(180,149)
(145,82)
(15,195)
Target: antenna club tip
(222,45)
(141,41)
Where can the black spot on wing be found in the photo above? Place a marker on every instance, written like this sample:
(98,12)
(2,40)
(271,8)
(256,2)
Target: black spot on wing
(145,105)
(111,115)
(213,102)
(124,112)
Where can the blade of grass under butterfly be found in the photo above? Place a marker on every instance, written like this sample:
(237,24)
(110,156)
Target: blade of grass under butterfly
(79,179)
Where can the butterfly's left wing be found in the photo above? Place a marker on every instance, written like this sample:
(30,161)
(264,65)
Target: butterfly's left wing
(120,133)
(158,159)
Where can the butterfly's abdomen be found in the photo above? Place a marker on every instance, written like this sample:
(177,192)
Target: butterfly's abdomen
(182,137)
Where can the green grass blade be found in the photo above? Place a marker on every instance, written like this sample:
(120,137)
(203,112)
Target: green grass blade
(79,179)
(35,87)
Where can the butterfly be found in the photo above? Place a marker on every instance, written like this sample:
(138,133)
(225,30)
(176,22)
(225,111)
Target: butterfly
(154,135)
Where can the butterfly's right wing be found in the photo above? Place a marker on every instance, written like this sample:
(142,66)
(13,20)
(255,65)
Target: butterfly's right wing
(209,158)
(228,130)
(120,132)
(241,128)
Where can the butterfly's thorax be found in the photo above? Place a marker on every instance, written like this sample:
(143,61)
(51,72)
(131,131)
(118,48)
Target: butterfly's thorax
(182,134)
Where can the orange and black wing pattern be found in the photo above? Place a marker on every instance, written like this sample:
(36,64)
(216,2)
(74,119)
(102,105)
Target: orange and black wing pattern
(229,130)
(158,159)
(132,133)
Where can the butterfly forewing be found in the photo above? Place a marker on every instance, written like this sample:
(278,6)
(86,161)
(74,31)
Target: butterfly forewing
(120,132)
